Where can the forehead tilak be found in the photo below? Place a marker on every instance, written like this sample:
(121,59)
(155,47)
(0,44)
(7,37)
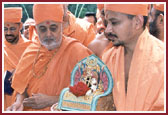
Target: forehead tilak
(47,22)
(7,25)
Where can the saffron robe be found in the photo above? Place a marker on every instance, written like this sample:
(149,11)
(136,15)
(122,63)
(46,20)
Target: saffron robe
(12,55)
(58,74)
(145,90)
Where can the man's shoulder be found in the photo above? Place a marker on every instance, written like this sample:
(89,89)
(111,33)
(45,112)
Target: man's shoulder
(156,44)
(25,40)
(74,50)
(110,51)
(73,44)
(83,24)
(32,48)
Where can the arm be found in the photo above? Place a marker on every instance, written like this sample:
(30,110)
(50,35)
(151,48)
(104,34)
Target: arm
(18,104)
(40,101)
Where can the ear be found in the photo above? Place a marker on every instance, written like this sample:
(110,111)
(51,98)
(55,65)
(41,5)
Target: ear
(65,6)
(160,20)
(138,21)
(20,25)
(65,16)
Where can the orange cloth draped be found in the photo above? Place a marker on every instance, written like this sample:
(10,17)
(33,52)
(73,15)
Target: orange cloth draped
(33,34)
(159,7)
(145,90)
(12,55)
(80,30)
(56,77)
(100,6)
(43,12)
(13,15)
(109,46)
(133,9)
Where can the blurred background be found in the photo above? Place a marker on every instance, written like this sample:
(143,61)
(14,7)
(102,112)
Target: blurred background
(78,10)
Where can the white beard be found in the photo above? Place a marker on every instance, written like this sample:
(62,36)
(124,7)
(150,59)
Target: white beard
(52,45)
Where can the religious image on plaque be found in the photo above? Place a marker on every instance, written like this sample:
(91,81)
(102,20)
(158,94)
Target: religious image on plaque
(90,80)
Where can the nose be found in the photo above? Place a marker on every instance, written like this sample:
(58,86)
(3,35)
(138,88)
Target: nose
(8,31)
(108,28)
(102,26)
(48,32)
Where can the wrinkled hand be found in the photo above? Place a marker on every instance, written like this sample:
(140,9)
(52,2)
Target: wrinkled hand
(15,107)
(37,101)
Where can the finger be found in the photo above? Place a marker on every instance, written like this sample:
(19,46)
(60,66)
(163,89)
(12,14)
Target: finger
(28,104)
(35,107)
(9,108)
(35,94)
(20,108)
(14,108)
(29,101)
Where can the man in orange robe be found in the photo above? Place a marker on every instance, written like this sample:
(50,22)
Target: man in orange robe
(100,44)
(91,18)
(73,27)
(100,18)
(136,61)
(78,28)
(45,69)
(26,26)
(156,21)
(14,43)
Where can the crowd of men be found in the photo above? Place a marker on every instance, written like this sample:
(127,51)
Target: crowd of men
(128,38)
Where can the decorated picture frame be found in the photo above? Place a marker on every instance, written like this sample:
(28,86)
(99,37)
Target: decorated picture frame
(90,80)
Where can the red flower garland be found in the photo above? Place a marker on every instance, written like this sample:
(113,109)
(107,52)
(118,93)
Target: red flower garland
(79,89)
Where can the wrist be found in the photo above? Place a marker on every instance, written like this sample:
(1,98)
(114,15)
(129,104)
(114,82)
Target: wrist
(19,98)
(53,100)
